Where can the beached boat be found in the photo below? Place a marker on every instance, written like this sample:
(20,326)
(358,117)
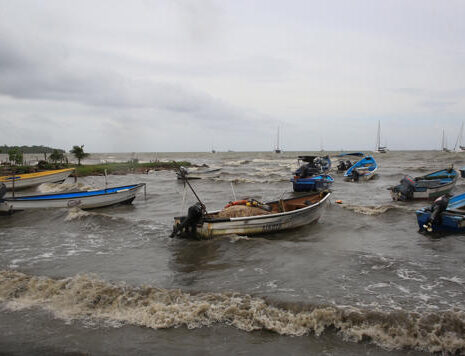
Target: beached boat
(444,215)
(88,199)
(26,180)
(310,176)
(270,217)
(429,186)
(198,173)
(364,169)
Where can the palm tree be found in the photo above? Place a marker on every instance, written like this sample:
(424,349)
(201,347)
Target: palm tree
(56,156)
(78,152)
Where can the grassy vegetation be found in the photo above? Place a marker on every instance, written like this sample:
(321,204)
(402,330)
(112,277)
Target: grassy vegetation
(126,167)
(97,169)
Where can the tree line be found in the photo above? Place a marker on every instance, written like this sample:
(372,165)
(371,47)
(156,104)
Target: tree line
(15,154)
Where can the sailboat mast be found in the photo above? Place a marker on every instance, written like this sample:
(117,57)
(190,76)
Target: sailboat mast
(378,139)
(277,140)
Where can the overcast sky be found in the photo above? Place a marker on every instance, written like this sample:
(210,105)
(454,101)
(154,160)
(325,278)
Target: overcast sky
(189,75)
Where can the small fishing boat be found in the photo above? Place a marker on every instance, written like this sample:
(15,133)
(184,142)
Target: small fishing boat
(444,215)
(87,199)
(364,169)
(310,176)
(198,173)
(26,180)
(260,218)
(345,164)
(429,186)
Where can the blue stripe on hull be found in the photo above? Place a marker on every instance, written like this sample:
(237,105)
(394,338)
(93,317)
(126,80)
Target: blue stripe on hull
(76,194)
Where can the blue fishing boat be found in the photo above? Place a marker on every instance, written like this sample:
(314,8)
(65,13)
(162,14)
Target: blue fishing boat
(88,199)
(364,169)
(429,186)
(344,163)
(311,174)
(444,215)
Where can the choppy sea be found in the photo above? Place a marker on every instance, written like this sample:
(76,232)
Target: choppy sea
(111,281)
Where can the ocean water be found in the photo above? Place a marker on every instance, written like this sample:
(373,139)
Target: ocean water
(111,281)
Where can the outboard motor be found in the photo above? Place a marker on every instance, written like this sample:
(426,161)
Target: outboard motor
(355,175)
(189,223)
(341,167)
(303,171)
(439,205)
(404,191)
(2,190)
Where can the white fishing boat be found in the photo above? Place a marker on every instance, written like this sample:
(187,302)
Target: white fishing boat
(26,180)
(270,217)
(199,173)
(88,199)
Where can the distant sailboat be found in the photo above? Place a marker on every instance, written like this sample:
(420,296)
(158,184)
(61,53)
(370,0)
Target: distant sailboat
(444,143)
(277,149)
(458,144)
(379,148)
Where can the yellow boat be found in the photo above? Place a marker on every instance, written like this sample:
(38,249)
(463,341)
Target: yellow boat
(27,180)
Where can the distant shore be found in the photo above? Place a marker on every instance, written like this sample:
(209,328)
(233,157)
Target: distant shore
(115,168)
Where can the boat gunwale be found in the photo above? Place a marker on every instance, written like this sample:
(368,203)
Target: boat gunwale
(259,217)
(37,197)
(370,172)
(18,177)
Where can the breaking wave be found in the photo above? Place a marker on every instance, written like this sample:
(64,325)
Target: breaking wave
(375,209)
(63,187)
(89,298)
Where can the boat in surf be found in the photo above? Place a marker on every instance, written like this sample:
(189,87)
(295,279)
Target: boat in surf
(311,174)
(185,173)
(344,163)
(445,214)
(250,217)
(88,199)
(27,180)
(364,169)
(429,186)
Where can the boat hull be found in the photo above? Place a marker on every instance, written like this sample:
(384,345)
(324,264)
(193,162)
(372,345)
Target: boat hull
(449,221)
(311,184)
(366,169)
(118,195)
(430,186)
(263,224)
(22,181)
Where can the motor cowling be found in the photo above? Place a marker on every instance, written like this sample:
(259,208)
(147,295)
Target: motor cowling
(437,208)
(404,191)
(2,190)
(189,223)
(342,166)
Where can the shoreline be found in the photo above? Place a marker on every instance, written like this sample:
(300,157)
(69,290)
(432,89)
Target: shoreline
(115,168)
